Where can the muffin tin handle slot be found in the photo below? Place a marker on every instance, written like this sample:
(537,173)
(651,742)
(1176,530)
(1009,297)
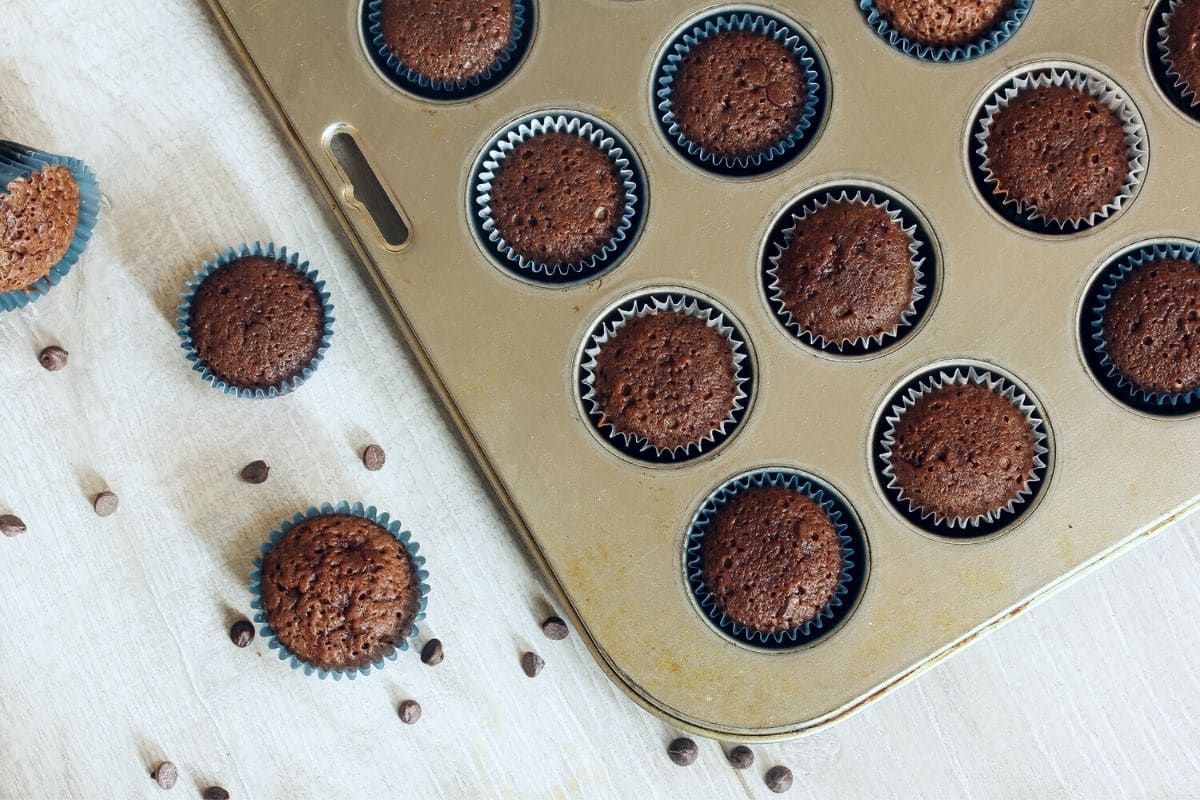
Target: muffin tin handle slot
(364,191)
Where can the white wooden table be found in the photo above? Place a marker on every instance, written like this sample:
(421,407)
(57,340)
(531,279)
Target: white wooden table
(114,652)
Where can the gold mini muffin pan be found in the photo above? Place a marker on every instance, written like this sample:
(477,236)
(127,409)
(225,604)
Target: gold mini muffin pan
(609,531)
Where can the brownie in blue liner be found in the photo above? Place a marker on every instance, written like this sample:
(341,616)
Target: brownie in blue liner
(339,590)
(740,93)
(447,49)
(1173,51)
(945,32)
(50,204)
(1143,326)
(775,558)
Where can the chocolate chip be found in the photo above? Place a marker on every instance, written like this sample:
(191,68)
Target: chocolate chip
(555,628)
(741,757)
(53,358)
(255,472)
(432,653)
(410,712)
(105,504)
(11,526)
(373,457)
(532,663)
(779,779)
(683,751)
(241,633)
(215,793)
(165,775)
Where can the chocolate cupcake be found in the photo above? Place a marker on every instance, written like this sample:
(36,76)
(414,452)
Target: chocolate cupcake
(740,93)
(774,558)
(256,322)
(340,589)
(665,376)
(962,448)
(847,272)
(558,197)
(1059,150)
(1144,321)
(945,30)
(447,49)
(1180,47)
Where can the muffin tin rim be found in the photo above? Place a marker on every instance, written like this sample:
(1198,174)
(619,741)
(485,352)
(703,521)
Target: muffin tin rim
(692,511)
(975,114)
(883,405)
(583,335)
(933,288)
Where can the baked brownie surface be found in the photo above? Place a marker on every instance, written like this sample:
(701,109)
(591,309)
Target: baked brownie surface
(943,22)
(38,216)
(1152,327)
(449,40)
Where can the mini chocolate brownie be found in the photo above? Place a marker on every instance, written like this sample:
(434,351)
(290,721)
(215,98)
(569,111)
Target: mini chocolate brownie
(339,591)
(772,559)
(945,23)
(962,452)
(1152,327)
(38,216)
(1183,46)
(738,93)
(667,377)
(847,272)
(1058,150)
(256,322)
(557,199)
(447,40)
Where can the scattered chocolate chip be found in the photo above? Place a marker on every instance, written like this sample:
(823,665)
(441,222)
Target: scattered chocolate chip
(53,358)
(410,712)
(241,633)
(741,757)
(215,793)
(433,653)
(165,775)
(779,779)
(532,663)
(555,628)
(373,457)
(255,472)
(105,504)
(683,751)
(11,526)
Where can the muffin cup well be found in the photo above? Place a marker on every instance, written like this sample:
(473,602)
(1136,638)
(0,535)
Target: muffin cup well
(904,220)
(1081,79)
(644,305)
(903,401)
(436,89)
(998,35)
(220,260)
(19,161)
(371,514)
(781,30)
(1183,95)
(854,558)
(586,127)
(1100,294)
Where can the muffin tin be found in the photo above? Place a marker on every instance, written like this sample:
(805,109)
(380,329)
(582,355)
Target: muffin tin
(610,530)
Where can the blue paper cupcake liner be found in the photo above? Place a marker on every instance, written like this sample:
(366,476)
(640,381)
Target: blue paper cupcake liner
(646,304)
(220,260)
(1080,78)
(921,255)
(1103,287)
(907,396)
(436,89)
(491,159)
(1183,96)
(854,558)
(370,513)
(787,33)
(1008,25)
(19,161)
